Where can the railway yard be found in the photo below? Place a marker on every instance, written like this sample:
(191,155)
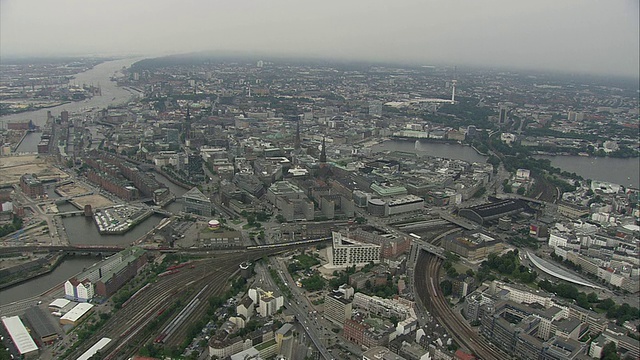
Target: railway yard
(183,292)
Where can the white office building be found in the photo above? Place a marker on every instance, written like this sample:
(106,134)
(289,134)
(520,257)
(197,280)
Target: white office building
(348,252)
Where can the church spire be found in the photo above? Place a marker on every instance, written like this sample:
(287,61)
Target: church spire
(297,141)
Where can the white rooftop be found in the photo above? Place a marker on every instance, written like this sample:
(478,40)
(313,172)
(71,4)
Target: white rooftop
(19,335)
(95,348)
(77,312)
(59,303)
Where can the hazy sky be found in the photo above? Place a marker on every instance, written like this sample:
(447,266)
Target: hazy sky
(569,35)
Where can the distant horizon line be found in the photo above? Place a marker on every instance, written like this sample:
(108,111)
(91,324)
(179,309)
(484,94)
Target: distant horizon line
(255,56)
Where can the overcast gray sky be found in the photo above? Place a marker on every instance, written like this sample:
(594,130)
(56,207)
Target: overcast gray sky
(585,36)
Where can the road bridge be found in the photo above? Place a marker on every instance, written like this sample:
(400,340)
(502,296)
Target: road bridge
(467,225)
(70,213)
(524,198)
(425,224)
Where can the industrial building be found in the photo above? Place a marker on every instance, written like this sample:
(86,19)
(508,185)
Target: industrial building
(58,304)
(22,341)
(484,213)
(76,315)
(40,324)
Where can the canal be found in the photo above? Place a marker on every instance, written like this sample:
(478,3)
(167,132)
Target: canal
(36,286)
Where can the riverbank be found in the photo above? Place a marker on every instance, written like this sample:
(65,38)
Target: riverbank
(31,270)
(36,108)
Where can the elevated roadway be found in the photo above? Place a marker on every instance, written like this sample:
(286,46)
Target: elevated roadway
(463,223)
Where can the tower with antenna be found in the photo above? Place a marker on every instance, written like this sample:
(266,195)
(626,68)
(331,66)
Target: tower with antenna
(187,124)
(453,85)
(453,91)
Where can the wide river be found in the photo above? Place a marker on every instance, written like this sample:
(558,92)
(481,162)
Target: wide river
(80,230)
(99,74)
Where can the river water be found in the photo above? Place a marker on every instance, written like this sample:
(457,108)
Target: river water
(111,95)
(68,268)
(100,74)
(79,229)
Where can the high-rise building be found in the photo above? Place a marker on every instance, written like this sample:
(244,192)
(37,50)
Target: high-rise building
(336,308)
(575,116)
(375,108)
(502,118)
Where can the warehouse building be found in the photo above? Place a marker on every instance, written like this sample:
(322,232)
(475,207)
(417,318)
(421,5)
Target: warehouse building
(41,327)
(106,277)
(76,315)
(100,345)
(22,341)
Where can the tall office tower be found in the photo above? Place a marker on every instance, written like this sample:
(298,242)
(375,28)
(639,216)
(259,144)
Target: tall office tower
(503,114)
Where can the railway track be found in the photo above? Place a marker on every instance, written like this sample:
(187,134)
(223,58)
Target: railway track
(160,295)
(125,327)
(426,278)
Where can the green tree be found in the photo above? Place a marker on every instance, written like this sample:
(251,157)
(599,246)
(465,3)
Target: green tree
(609,352)
(447,287)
